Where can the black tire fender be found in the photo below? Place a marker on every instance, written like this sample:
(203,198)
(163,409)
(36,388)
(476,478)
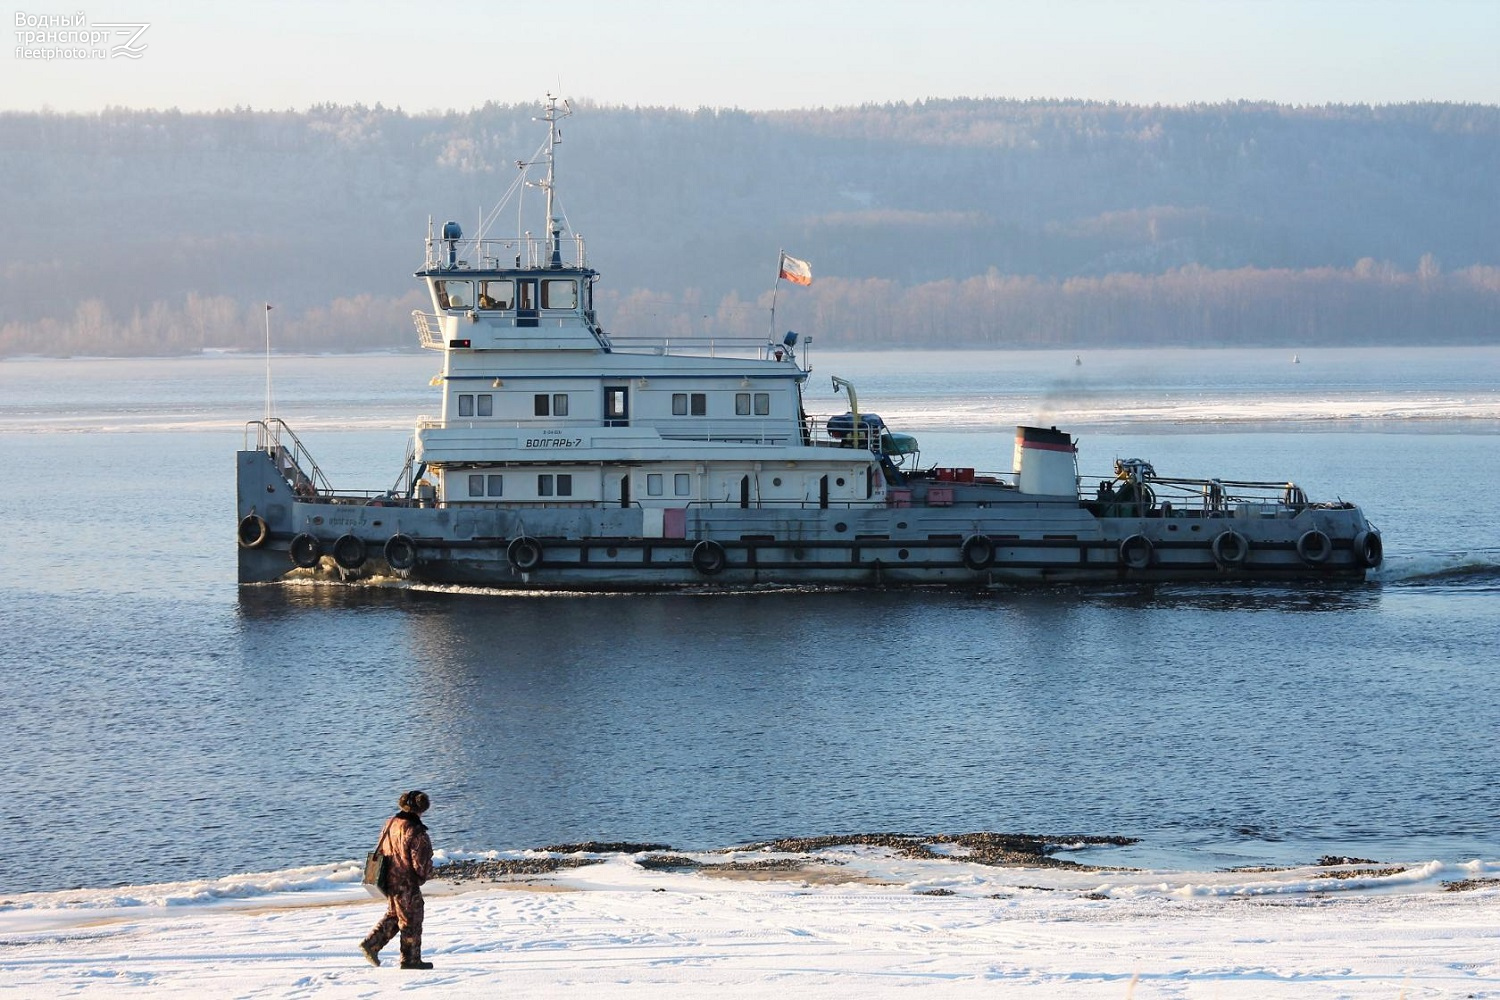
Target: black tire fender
(524,554)
(1314,547)
(978,552)
(1369,550)
(253,531)
(400,552)
(349,552)
(1137,552)
(305,551)
(1230,549)
(709,557)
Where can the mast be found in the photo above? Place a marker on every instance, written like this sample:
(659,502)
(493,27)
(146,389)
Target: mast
(553,115)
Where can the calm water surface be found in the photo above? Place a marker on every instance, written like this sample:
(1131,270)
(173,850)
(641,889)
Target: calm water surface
(164,723)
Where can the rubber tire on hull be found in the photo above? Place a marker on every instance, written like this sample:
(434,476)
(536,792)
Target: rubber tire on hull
(1369,550)
(1231,549)
(524,554)
(709,557)
(1314,547)
(400,552)
(978,552)
(1137,552)
(253,531)
(349,552)
(305,551)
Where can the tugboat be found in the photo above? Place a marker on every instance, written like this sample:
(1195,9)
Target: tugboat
(567,458)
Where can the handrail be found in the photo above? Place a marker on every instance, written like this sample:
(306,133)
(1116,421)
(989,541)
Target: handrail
(294,462)
(428,326)
(529,253)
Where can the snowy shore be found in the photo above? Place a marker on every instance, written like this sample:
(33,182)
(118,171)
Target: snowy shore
(844,921)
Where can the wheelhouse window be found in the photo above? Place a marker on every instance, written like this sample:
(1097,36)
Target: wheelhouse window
(550,404)
(454,294)
(497,294)
(559,293)
(689,403)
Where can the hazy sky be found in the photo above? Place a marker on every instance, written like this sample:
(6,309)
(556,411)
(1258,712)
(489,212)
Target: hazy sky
(754,54)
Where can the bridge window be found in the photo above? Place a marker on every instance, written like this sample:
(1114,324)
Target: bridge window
(497,294)
(685,403)
(559,293)
(454,294)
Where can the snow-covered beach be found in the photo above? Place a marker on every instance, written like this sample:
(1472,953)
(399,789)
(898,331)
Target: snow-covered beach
(840,921)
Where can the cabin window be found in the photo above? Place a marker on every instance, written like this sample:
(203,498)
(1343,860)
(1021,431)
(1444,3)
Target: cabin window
(476,486)
(495,485)
(559,293)
(454,294)
(743,401)
(559,485)
(486,406)
(497,294)
(682,484)
(550,404)
(685,403)
(466,405)
(653,484)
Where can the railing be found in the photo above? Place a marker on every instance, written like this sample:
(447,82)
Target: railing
(732,347)
(528,252)
(295,463)
(1211,497)
(429,329)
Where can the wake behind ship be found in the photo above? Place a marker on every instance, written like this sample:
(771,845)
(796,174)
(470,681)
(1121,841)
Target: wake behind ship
(567,458)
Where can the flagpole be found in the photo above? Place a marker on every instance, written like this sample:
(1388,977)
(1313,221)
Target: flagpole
(775,287)
(268,364)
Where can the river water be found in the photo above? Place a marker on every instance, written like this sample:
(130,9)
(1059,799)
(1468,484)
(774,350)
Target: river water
(164,723)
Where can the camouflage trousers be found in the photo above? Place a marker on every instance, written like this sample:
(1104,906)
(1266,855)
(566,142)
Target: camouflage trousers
(403,912)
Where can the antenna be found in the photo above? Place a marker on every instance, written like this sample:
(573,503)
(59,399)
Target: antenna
(268,365)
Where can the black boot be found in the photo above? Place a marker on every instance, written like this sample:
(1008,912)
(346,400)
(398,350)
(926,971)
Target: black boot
(371,953)
(415,963)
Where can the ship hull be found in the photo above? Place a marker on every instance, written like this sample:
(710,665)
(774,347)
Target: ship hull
(977,536)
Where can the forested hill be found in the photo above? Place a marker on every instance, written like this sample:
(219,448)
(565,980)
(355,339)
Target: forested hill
(948,223)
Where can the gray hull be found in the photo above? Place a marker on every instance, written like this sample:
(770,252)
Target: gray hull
(975,535)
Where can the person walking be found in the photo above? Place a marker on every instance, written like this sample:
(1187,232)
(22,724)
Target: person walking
(405,841)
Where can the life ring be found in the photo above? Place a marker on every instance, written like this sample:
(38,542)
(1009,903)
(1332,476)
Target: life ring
(525,554)
(400,552)
(1314,547)
(305,551)
(709,557)
(1369,550)
(349,552)
(1137,552)
(1230,549)
(978,552)
(253,531)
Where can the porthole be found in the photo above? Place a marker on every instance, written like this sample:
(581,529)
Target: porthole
(611,551)
(901,525)
(841,526)
(776,481)
(903,554)
(839,481)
